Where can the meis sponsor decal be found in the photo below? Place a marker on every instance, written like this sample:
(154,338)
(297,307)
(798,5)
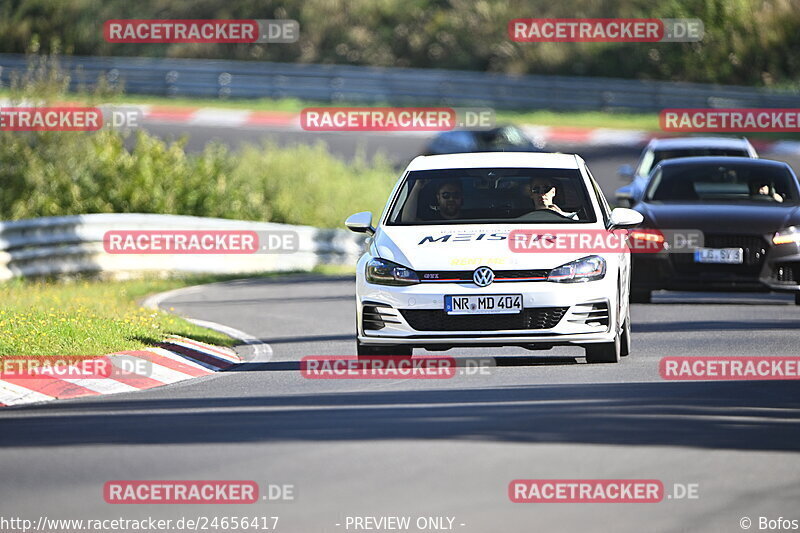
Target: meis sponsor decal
(464,237)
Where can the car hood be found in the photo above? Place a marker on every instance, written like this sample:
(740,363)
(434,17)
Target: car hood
(719,218)
(464,247)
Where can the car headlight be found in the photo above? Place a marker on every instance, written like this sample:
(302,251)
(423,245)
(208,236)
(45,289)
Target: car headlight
(588,268)
(790,235)
(385,272)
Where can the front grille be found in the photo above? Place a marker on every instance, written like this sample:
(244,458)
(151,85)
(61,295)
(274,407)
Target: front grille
(457,276)
(753,246)
(788,273)
(439,320)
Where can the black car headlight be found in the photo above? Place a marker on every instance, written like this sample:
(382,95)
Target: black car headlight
(385,272)
(588,268)
(790,235)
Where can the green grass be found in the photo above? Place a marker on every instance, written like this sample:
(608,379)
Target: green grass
(582,119)
(92,317)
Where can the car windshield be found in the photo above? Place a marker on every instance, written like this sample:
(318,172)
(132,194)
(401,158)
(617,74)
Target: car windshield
(653,158)
(483,195)
(714,182)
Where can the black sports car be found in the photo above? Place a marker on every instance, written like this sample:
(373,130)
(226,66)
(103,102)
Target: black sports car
(749,213)
(506,138)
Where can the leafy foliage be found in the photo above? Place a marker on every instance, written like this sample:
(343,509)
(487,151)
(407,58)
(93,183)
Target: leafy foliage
(747,41)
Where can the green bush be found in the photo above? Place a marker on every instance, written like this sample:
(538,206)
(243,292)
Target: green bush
(58,173)
(109,171)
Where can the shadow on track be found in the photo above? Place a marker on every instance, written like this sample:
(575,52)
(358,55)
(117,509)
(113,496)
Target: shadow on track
(461,362)
(717,325)
(721,415)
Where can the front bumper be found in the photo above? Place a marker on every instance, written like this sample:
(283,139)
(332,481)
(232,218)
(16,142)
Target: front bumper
(766,268)
(553,314)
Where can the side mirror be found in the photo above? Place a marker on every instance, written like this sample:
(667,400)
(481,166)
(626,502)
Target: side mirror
(360,223)
(622,217)
(625,172)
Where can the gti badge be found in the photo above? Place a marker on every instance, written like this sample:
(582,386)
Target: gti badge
(483,276)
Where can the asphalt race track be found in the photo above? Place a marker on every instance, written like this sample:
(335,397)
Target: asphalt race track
(444,448)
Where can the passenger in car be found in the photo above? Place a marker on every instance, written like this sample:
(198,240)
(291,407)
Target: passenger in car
(542,191)
(765,189)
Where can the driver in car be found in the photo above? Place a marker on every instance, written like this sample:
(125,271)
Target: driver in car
(542,191)
(449,199)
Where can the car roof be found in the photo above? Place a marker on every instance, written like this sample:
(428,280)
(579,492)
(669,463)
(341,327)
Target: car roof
(677,143)
(496,160)
(727,160)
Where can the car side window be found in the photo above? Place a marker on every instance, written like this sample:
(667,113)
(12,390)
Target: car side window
(646,164)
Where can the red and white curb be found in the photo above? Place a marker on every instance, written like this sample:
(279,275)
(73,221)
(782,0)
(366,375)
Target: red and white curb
(211,116)
(174,360)
(559,135)
(290,120)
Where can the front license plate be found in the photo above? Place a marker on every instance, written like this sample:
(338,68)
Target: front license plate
(731,256)
(484,304)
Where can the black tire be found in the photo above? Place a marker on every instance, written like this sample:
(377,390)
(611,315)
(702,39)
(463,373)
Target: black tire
(366,350)
(641,296)
(797,298)
(606,352)
(625,337)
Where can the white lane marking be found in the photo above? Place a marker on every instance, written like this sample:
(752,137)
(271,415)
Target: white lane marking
(11,394)
(154,301)
(262,352)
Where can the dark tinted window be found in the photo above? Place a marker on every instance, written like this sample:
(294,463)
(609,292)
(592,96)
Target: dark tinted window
(473,196)
(652,159)
(762,184)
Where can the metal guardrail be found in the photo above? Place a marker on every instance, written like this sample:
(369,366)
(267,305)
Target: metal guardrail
(397,86)
(54,246)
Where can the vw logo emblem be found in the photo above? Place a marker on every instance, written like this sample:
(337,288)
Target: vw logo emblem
(483,276)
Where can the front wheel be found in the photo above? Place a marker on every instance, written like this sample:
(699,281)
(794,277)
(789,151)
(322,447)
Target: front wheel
(625,336)
(641,296)
(606,352)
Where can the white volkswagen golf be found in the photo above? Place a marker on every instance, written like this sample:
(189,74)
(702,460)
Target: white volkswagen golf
(439,272)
